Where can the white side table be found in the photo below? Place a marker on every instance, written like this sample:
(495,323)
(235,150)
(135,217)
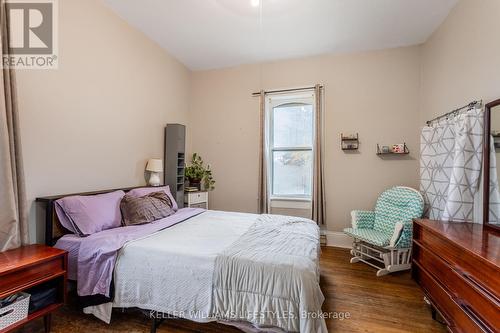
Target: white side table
(197,199)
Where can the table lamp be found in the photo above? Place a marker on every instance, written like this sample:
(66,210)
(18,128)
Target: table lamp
(154,166)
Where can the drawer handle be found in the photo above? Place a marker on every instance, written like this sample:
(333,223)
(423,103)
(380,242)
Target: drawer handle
(465,307)
(475,318)
(493,298)
(6,313)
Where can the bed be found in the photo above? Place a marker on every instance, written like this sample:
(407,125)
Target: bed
(257,272)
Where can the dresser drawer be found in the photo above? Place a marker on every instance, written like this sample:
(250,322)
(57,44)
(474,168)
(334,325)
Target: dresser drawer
(460,286)
(197,197)
(25,277)
(456,256)
(459,317)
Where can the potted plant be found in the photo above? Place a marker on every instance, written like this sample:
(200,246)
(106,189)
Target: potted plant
(197,173)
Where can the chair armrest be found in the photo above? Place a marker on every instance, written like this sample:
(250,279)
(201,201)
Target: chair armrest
(362,219)
(402,235)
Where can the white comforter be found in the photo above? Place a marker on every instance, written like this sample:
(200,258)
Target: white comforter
(175,270)
(171,271)
(270,276)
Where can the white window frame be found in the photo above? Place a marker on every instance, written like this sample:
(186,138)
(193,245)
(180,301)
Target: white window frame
(275,100)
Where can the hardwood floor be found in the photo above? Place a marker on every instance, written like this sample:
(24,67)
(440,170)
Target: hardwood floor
(392,303)
(387,304)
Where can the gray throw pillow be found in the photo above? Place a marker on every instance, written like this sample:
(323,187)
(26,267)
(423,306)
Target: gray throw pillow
(145,209)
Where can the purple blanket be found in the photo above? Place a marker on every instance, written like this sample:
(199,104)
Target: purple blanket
(98,252)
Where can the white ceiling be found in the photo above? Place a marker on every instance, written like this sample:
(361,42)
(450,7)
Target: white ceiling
(205,34)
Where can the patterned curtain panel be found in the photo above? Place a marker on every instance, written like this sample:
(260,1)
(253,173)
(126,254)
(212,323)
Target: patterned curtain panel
(450,166)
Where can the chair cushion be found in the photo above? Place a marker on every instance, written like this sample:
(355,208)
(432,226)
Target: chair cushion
(398,204)
(370,236)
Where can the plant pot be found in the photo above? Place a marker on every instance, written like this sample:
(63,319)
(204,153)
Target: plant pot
(195,183)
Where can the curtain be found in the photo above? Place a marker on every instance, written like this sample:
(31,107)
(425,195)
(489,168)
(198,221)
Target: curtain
(263,204)
(450,166)
(13,206)
(318,197)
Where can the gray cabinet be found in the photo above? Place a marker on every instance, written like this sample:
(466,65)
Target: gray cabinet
(175,154)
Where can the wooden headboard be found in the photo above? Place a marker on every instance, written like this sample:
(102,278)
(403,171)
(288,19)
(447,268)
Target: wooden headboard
(53,228)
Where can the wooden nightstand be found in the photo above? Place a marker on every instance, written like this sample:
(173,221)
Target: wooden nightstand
(30,268)
(197,199)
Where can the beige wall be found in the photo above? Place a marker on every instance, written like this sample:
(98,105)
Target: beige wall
(461,61)
(94,122)
(386,96)
(374,93)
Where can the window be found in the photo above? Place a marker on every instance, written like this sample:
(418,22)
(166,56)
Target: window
(291,136)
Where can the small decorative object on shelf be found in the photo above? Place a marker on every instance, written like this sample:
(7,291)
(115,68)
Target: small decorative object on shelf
(397,149)
(349,142)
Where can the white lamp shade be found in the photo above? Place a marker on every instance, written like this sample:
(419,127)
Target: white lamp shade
(154,165)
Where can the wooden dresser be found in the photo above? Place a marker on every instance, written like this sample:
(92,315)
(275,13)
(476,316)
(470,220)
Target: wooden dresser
(34,268)
(458,267)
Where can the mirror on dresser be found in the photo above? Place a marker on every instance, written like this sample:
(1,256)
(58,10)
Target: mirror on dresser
(491,194)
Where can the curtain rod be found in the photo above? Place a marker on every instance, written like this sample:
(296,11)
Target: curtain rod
(285,90)
(469,106)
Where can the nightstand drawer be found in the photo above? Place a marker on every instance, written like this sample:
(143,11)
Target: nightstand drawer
(26,277)
(199,205)
(197,197)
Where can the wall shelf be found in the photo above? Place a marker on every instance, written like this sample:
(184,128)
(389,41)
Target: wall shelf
(349,142)
(405,151)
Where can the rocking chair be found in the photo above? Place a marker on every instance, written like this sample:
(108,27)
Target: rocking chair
(382,238)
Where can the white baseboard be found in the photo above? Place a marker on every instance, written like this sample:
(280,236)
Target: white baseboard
(337,239)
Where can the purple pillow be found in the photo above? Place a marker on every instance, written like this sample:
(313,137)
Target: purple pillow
(142,191)
(87,214)
(63,218)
